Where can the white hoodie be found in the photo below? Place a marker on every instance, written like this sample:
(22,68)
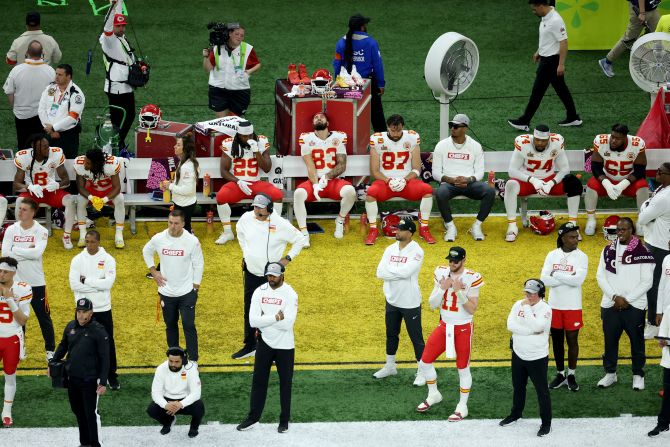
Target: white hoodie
(99,271)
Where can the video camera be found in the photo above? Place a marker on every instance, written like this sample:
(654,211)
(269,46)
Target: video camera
(218,34)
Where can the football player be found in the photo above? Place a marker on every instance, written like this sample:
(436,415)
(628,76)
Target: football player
(243,158)
(395,165)
(325,156)
(618,163)
(36,172)
(456,293)
(532,169)
(98,183)
(14,312)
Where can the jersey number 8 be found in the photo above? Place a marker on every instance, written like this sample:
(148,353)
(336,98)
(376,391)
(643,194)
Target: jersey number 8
(389,160)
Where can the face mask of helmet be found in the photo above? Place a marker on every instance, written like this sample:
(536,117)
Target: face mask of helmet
(150,116)
(609,228)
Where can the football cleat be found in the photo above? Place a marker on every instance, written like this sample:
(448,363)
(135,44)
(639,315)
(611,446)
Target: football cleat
(419,379)
(226,236)
(450,235)
(609,380)
(572,383)
(430,401)
(339,229)
(293,76)
(558,381)
(638,383)
(512,233)
(346,77)
(304,77)
(590,228)
(386,371)
(459,414)
(81,243)
(306,234)
(373,234)
(67,242)
(424,233)
(340,82)
(118,241)
(476,232)
(7,421)
(356,78)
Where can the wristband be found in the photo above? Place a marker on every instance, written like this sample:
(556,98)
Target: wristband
(417,172)
(461,297)
(105,199)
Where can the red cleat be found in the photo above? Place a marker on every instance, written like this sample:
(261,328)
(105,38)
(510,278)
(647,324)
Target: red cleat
(7,421)
(302,73)
(373,234)
(293,76)
(424,232)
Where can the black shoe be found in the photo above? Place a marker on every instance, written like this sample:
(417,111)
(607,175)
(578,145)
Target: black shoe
(518,124)
(149,276)
(571,122)
(166,428)
(544,430)
(114,384)
(572,383)
(558,382)
(246,351)
(509,420)
(283,428)
(247,424)
(192,433)
(658,430)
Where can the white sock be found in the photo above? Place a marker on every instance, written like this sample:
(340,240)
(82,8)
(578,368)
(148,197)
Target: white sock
(224,213)
(590,200)
(390,359)
(10,392)
(299,208)
(372,210)
(571,372)
(512,189)
(573,207)
(561,372)
(119,209)
(465,381)
(428,371)
(70,205)
(425,207)
(348,195)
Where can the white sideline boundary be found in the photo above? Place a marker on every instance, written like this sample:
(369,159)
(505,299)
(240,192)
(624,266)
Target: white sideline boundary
(583,432)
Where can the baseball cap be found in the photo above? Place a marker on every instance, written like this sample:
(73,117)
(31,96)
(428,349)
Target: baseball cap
(245,128)
(357,20)
(567,227)
(407,224)
(33,18)
(261,201)
(456,254)
(120,19)
(84,304)
(460,118)
(274,269)
(532,286)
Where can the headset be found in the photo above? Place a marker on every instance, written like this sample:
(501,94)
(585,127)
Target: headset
(542,290)
(181,352)
(270,205)
(282,268)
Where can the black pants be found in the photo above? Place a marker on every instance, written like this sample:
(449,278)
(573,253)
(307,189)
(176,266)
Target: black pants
(68,141)
(173,306)
(251,283)
(545,76)
(84,404)
(127,102)
(615,322)
(664,415)
(537,371)
(652,294)
(40,305)
(188,213)
(376,108)
(105,319)
(25,128)
(284,359)
(196,410)
(476,191)
(394,316)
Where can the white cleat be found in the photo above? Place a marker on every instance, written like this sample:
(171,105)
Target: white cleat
(307,244)
(430,401)
(346,77)
(590,228)
(450,235)
(118,241)
(81,243)
(339,229)
(419,379)
(67,242)
(387,370)
(460,413)
(638,383)
(226,236)
(476,232)
(609,380)
(355,77)
(512,233)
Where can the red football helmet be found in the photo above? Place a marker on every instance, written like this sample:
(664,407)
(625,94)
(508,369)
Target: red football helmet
(609,227)
(150,116)
(543,223)
(390,225)
(321,80)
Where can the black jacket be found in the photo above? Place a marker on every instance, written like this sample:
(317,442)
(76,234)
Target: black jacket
(87,349)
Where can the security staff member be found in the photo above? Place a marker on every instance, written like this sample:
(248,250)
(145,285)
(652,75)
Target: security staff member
(551,54)
(368,63)
(60,109)
(274,308)
(86,344)
(118,57)
(529,321)
(176,390)
(263,236)
(178,280)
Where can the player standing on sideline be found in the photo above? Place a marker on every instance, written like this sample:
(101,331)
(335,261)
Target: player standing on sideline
(618,164)
(179,279)
(564,271)
(395,165)
(399,268)
(532,169)
(14,312)
(36,172)
(456,292)
(92,275)
(25,241)
(325,155)
(98,182)
(244,157)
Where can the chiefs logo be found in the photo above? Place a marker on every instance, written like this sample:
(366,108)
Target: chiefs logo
(169,252)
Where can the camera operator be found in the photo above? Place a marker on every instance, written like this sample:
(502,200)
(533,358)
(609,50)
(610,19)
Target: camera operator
(229,61)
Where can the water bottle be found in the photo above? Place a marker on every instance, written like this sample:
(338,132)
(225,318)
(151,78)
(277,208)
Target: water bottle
(301,90)
(364,223)
(206,185)
(492,177)
(210,221)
